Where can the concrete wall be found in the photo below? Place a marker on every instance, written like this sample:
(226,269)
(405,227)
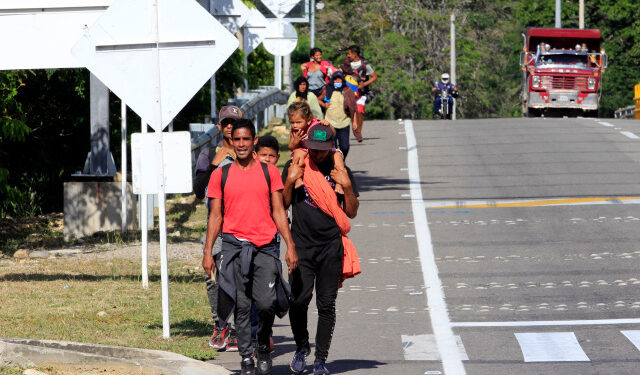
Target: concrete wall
(90,207)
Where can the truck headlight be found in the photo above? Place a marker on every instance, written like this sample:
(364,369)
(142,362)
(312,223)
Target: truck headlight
(591,83)
(535,81)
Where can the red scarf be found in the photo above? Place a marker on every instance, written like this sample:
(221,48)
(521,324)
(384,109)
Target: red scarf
(323,195)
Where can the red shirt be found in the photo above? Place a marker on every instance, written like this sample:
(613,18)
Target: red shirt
(247,202)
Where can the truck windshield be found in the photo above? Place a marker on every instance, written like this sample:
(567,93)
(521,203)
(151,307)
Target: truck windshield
(574,60)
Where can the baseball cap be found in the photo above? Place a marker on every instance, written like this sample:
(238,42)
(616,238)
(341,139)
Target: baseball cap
(229,111)
(320,137)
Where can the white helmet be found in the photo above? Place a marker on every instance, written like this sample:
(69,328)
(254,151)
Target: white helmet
(445,77)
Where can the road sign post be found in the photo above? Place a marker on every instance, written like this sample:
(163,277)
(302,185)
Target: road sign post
(155,55)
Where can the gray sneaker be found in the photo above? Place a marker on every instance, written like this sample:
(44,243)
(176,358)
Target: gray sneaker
(320,369)
(299,361)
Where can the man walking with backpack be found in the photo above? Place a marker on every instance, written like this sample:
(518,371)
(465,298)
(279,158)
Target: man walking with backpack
(355,66)
(224,335)
(248,195)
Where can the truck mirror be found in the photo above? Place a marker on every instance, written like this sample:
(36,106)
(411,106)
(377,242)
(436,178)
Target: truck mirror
(605,61)
(523,58)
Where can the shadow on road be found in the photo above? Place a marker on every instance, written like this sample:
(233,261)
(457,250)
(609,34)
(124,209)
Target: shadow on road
(377,183)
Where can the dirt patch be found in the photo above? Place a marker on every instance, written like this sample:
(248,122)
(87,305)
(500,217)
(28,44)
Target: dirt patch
(102,370)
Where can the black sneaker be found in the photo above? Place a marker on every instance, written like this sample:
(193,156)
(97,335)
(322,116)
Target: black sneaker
(264,362)
(247,366)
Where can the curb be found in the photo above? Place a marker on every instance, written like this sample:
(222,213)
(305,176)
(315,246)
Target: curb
(25,352)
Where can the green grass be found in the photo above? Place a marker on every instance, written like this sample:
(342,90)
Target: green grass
(60,300)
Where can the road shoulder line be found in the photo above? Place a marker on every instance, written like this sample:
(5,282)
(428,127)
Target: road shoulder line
(441,324)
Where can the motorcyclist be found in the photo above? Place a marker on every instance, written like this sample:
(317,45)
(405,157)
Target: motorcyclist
(444,84)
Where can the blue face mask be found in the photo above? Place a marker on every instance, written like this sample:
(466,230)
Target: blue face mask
(337,85)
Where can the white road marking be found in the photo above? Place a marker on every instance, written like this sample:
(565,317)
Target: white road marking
(633,336)
(551,347)
(629,135)
(538,323)
(440,322)
(424,348)
(605,124)
(409,235)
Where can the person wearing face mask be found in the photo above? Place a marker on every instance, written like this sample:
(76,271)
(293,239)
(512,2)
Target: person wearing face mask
(302,94)
(340,104)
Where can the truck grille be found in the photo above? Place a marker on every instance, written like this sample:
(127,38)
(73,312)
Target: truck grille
(564,82)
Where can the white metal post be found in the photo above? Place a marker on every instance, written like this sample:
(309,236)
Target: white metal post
(558,14)
(312,23)
(144,229)
(162,207)
(286,73)
(214,114)
(246,72)
(123,165)
(453,61)
(581,16)
(277,72)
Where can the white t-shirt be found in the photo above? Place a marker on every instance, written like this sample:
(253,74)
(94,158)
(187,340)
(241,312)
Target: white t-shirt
(357,66)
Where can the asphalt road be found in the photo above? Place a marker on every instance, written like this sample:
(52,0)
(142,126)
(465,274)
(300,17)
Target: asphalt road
(532,225)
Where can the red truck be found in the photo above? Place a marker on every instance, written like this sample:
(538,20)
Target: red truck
(561,71)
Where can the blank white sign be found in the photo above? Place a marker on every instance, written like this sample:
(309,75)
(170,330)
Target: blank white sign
(145,162)
(39,34)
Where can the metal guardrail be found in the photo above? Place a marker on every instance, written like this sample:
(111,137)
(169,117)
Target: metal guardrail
(626,112)
(207,139)
(252,103)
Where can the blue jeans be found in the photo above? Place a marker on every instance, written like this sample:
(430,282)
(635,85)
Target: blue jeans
(438,102)
(342,140)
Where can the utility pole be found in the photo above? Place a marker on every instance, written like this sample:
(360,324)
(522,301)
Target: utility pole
(453,61)
(558,14)
(581,19)
(312,23)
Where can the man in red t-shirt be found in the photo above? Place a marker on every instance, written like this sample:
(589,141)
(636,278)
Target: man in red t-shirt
(249,270)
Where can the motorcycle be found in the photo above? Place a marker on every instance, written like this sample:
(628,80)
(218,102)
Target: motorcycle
(443,112)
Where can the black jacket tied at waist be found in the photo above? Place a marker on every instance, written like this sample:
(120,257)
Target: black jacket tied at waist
(232,248)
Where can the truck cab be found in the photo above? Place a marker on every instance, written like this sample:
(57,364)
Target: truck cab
(562,71)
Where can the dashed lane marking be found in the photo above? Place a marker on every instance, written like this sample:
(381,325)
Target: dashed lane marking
(551,347)
(629,135)
(633,336)
(530,202)
(539,323)
(605,124)
(424,348)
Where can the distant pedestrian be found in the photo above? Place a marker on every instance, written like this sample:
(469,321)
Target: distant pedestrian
(358,68)
(320,223)
(302,94)
(341,111)
(248,268)
(209,159)
(317,71)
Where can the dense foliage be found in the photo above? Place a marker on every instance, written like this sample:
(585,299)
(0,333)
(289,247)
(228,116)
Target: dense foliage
(44,124)
(407,42)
